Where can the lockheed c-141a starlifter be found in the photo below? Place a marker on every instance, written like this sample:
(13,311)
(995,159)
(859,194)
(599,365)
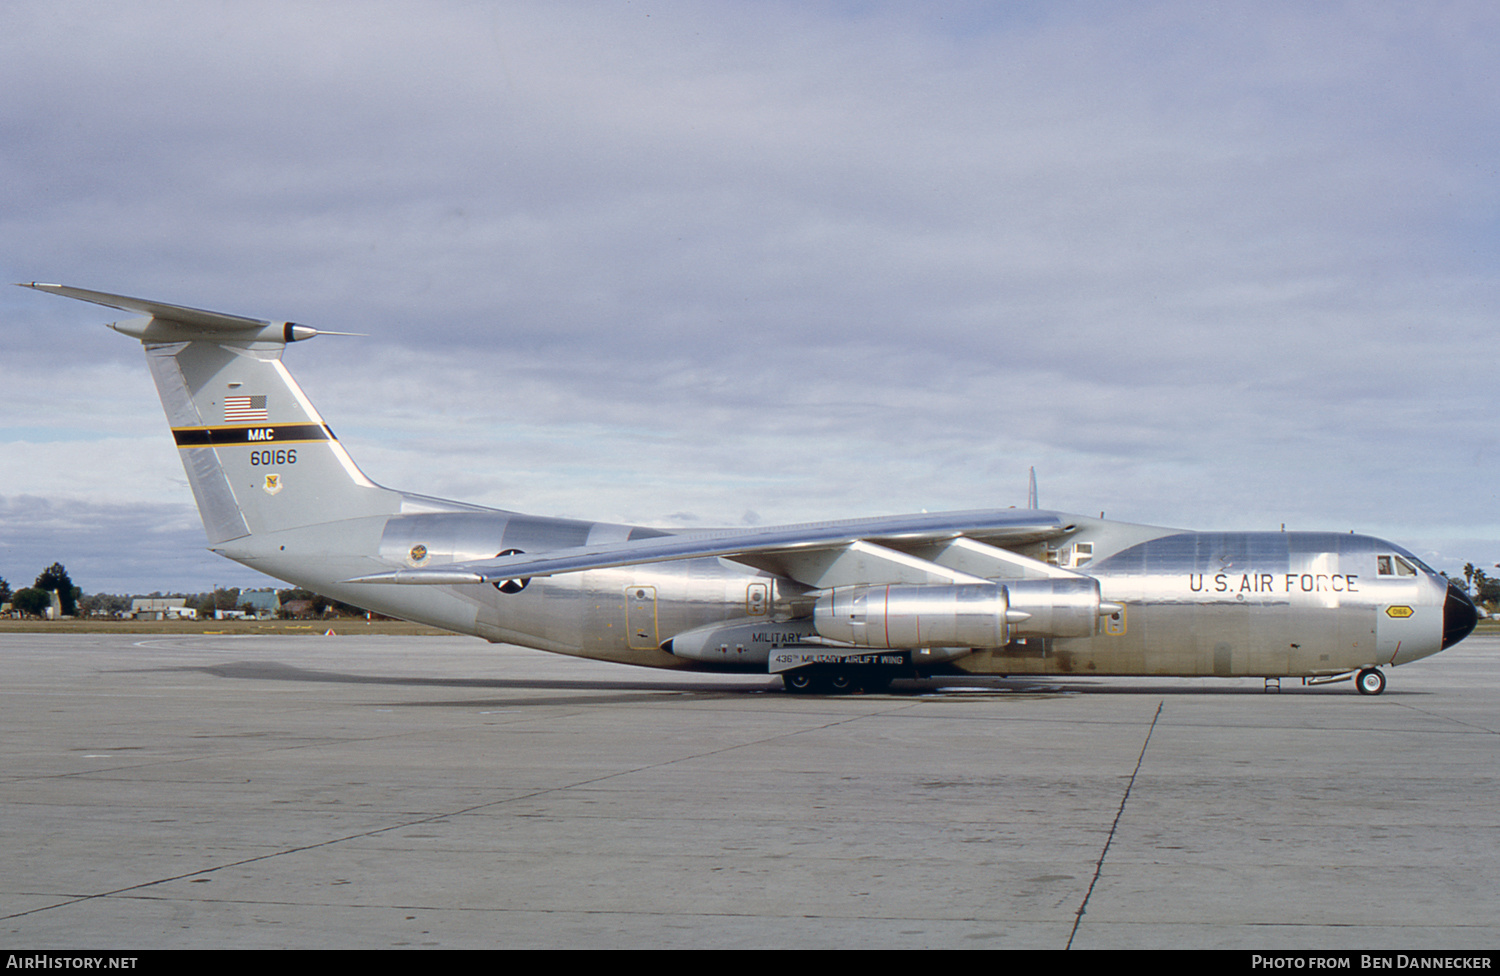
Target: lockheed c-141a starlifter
(830,606)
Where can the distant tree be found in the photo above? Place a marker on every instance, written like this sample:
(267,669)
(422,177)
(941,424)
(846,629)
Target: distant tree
(54,579)
(1486,589)
(307,604)
(219,599)
(320,605)
(32,602)
(4,591)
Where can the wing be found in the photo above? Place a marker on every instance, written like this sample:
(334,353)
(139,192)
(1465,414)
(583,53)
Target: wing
(961,547)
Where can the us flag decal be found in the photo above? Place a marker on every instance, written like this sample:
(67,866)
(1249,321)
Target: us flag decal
(244,409)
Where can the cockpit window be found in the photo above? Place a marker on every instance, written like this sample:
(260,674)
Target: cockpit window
(1394,566)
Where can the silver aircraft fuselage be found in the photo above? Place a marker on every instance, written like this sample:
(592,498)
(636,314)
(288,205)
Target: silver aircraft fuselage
(1264,604)
(830,606)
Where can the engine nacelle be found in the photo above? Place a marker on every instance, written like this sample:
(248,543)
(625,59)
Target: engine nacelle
(903,615)
(959,614)
(1068,607)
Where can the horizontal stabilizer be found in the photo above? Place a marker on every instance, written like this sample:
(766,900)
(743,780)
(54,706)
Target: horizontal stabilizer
(177,323)
(196,317)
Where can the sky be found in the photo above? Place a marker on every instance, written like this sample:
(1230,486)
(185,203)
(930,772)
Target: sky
(1213,266)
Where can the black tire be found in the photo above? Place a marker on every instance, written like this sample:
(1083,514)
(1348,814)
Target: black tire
(799,682)
(1370,681)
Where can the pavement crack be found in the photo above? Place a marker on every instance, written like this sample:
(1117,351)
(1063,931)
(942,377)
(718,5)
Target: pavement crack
(1099,866)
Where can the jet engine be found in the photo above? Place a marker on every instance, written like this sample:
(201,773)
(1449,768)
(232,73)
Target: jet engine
(1066,607)
(960,614)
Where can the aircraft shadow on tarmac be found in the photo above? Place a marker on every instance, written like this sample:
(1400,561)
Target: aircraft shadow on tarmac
(638,689)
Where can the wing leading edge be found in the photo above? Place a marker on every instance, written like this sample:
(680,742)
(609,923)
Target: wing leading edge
(820,554)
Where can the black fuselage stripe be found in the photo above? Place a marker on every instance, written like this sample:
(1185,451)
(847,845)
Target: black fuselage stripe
(256,434)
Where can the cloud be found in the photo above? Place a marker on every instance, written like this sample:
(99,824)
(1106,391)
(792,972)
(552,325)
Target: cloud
(131,548)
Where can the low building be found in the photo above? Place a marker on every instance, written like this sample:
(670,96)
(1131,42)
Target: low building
(261,604)
(162,608)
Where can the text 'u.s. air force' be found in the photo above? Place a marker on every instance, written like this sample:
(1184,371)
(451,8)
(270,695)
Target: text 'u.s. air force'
(1270,583)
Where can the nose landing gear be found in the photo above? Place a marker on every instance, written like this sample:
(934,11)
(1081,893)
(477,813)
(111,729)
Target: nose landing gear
(1370,681)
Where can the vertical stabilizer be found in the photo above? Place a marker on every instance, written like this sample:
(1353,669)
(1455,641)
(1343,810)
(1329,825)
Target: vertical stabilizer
(257,454)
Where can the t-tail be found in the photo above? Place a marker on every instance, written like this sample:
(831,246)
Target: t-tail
(257,454)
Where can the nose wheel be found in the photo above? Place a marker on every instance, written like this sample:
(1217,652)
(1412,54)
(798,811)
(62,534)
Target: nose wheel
(1370,681)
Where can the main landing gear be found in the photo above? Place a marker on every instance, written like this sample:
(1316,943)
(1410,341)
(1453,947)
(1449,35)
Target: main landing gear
(839,681)
(801,683)
(1370,681)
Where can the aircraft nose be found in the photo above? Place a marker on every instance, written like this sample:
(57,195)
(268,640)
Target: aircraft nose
(1459,616)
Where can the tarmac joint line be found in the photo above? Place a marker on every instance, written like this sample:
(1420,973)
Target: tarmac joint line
(1099,866)
(78,899)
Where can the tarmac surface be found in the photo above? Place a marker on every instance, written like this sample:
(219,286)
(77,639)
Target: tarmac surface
(370,792)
